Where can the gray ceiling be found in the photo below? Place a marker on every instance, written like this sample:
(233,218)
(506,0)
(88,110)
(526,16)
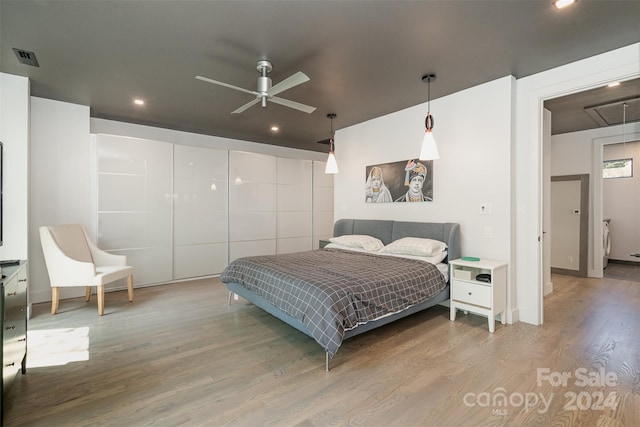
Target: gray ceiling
(365,59)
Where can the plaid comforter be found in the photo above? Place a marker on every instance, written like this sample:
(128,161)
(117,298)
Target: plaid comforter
(332,290)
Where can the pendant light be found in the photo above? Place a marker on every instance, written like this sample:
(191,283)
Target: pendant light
(429,150)
(332,166)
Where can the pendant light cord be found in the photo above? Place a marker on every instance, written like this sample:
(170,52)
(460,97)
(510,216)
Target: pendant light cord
(331,135)
(624,122)
(331,116)
(429,96)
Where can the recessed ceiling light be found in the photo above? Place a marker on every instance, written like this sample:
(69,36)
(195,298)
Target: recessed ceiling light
(274,128)
(561,4)
(614,84)
(138,101)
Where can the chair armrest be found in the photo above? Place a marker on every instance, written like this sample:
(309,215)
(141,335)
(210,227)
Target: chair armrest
(102,258)
(64,271)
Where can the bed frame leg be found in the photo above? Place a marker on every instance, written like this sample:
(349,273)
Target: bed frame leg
(230,296)
(326,361)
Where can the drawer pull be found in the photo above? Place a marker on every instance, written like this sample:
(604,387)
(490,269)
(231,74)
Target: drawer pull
(22,280)
(11,364)
(12,294)
(469,293)
(10,327)
(22,339)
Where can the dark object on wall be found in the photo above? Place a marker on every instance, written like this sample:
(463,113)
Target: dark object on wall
(403,181)
(483,278)
(1,193)
(13,323)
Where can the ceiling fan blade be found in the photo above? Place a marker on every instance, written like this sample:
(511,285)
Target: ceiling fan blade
(246,106)
(292,104)
(215,82)
(289,82)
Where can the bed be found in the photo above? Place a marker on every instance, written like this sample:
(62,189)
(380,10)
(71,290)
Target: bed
(342,290)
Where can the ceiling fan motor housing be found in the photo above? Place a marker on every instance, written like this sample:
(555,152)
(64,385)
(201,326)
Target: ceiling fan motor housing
(264,82)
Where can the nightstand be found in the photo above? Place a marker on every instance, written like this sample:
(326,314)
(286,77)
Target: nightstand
(479,297)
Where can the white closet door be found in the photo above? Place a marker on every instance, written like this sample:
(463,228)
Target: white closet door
(252,204)
(134,204)
(199,211)
(294,226)
(322,203)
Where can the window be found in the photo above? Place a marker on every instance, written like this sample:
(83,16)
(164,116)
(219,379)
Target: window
(620,168)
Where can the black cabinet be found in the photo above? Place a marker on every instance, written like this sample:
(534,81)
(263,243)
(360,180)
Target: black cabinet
(13,305)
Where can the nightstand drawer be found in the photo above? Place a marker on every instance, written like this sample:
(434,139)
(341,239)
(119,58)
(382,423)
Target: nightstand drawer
(471,293)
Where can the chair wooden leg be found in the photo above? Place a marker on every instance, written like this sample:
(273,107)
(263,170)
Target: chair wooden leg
(100,292)
(88,293)
(130,287)
(55,297)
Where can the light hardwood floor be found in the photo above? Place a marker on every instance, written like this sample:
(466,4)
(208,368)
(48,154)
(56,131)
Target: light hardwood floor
(178,355)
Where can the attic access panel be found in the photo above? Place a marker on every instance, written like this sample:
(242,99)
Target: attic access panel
(612,113)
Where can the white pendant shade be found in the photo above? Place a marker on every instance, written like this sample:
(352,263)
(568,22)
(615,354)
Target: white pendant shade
(429,150)
(332,166)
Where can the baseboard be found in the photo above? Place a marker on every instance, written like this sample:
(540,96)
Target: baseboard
(620,261)
(515,316)
(548,288)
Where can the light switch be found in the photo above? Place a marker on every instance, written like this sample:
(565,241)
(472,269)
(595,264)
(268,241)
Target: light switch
(485,209)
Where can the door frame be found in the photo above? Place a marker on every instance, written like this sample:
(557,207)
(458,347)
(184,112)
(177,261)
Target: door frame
(584,226)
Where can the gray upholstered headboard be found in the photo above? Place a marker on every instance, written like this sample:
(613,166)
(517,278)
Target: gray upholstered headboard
(388,231)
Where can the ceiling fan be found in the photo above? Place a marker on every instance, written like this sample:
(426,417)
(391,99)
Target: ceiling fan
(265,92)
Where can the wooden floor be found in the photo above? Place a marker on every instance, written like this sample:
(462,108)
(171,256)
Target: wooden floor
(178,355)
(622,270)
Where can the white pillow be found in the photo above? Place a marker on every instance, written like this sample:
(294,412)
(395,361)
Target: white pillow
(363,241)
(436,259)
(415,246)
(349,248)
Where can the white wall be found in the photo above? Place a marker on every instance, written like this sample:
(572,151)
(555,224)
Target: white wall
(14,134)
(473,132)
(621,203)
(572,154)
(578,153)
(61,187)
(532,91)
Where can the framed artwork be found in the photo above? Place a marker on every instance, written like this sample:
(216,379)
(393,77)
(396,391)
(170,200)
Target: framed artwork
(403,181)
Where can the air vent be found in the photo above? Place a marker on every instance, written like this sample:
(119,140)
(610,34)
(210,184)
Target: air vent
(611,113)
(26,57)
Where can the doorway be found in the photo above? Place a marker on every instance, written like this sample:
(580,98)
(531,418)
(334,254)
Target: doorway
(569,224)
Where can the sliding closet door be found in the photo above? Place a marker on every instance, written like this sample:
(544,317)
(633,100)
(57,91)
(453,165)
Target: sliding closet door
(134,204)
(294,227)
(199,211)
(252,204)
(322,204)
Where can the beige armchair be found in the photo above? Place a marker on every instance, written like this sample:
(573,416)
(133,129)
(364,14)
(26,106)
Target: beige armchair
(72,259)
